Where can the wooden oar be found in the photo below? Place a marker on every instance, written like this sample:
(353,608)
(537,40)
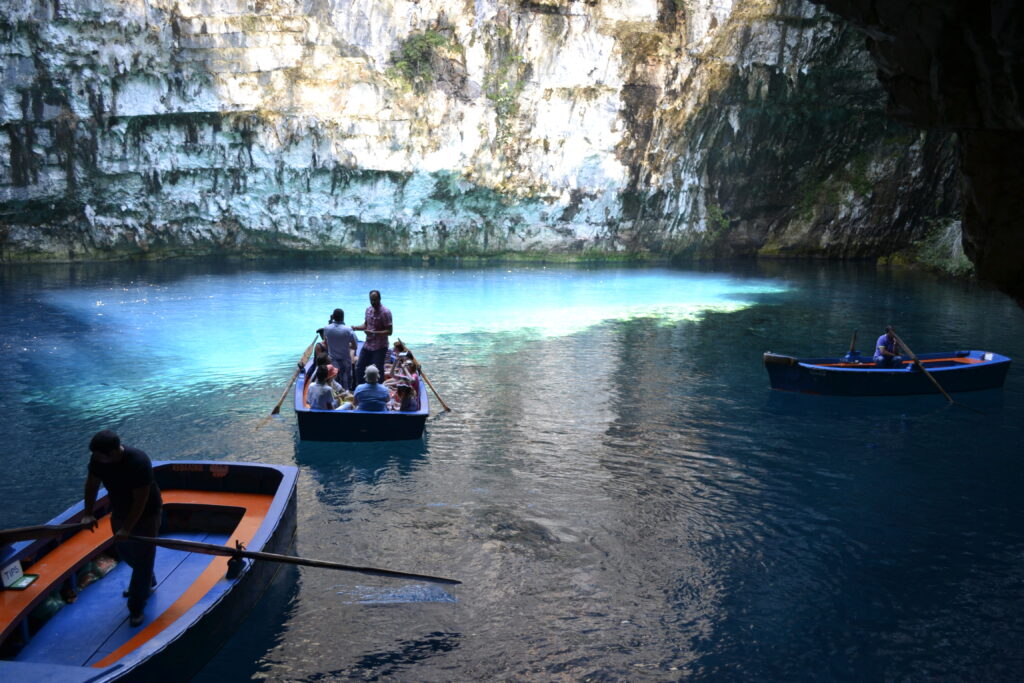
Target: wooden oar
(917,362)
(284,394)
(211,549)
(853,345)
(26,533)
(424,376)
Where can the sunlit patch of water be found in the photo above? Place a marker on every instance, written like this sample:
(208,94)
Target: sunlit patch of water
(376,595)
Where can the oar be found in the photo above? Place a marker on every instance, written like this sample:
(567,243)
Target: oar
(211,549)
(26,533)
(284,394)
(853,345)
(917,362)
(424,376)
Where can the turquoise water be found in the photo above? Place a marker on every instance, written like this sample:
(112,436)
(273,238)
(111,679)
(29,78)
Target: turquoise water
(618,489)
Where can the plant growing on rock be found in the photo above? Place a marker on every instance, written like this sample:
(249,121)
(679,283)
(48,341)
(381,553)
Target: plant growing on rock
(415,61)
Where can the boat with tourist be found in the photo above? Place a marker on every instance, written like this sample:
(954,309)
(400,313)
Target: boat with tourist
(62,613)
(953,371)
(357,425)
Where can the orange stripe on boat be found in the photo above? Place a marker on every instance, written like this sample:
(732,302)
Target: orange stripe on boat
(956,359)
(255,505)
(53,568)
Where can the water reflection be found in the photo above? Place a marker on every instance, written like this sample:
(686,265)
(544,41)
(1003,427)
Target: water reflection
(338,468)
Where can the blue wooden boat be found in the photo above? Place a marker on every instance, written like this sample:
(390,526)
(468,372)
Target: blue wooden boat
(955,371)
(357,425)
(194,608)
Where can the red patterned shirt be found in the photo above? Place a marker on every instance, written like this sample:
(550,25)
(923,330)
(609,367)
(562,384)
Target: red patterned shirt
(377,319)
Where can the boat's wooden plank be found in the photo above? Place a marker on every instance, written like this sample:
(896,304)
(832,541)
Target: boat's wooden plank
(256,508)
(97,622)
(187,567)
(56,565)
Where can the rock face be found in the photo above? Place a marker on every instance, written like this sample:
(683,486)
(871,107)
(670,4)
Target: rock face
(676,128)
(959,66)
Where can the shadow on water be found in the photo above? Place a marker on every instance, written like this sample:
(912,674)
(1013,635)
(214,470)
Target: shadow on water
(266,625)
(391,663)
(988,403)
(327,457)
(338,467)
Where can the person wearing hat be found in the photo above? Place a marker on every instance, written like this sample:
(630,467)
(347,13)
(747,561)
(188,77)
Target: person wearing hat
(371,395)
(341,342)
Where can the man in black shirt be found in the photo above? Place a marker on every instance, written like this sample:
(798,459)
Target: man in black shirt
(136,508)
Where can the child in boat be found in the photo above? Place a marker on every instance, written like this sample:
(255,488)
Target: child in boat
(319,395)
(323,360)
(405,399)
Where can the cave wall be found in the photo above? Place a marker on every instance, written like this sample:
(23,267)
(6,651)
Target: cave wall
(958,67)
(671,128)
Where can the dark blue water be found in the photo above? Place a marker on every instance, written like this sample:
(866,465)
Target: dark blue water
(618,489)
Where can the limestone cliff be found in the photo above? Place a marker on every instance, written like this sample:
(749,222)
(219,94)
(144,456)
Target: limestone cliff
(668,127)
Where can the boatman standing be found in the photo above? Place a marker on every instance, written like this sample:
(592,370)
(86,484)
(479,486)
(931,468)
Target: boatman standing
(341,342)
(885,350)
(378,328)
(136,509)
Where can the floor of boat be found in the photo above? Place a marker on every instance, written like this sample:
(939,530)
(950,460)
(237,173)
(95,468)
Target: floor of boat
(96,624)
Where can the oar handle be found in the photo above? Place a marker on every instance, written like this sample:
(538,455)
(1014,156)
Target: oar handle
(27,533)
(225,551)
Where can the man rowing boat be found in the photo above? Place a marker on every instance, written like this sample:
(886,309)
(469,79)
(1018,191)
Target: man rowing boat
(885,350)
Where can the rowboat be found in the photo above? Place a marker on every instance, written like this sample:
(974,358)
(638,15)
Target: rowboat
(357,425)
(955,371)
(195,606)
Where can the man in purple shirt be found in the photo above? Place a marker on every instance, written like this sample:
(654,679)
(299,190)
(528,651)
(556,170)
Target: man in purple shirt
(885,350)
(378,327)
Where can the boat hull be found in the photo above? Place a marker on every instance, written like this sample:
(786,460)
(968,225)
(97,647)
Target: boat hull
(179,649)
(957,371)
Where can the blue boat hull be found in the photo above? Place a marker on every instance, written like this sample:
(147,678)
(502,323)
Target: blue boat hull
(181,649)
(957,371)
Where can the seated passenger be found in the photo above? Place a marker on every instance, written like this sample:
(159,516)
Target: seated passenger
(319,395)
(371,395)
(406,399)
(885,350)
(323,360)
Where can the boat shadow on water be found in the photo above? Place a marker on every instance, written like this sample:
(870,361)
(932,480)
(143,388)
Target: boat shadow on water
(968,405)
(242,656)
(370,459)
